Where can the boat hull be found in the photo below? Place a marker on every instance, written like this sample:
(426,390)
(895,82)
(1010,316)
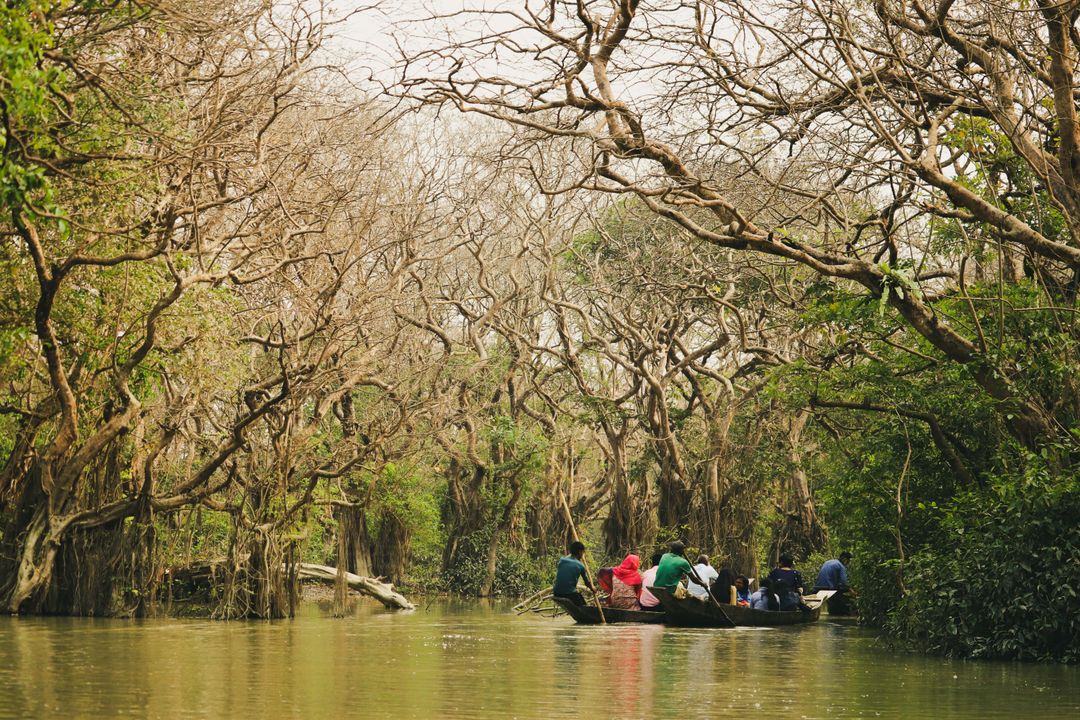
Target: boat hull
(840,606)
(741,616)
(588,614)
(689,612)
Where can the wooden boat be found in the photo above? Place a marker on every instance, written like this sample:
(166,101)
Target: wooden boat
(841,606)
(690,612)
(741,616)
(588,614)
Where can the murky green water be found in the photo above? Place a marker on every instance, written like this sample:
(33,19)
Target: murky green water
(467,660)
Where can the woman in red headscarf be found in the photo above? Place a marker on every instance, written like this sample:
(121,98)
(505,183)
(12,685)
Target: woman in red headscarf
(626,584)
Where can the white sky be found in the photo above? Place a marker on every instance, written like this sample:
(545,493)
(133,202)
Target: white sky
(370,38)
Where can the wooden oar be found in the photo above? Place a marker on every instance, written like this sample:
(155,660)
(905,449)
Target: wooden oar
(573,533)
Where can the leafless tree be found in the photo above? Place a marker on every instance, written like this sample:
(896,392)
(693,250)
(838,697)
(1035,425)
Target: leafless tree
(876,97)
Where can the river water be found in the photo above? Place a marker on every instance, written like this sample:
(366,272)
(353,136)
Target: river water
(460,659)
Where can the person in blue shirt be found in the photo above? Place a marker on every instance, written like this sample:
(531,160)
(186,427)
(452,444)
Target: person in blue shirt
(763,598)
(742,590)
(567,572)
(834,576)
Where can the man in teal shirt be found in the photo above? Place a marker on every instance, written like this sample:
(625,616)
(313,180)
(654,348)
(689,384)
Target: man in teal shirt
(569,569)
(672,568)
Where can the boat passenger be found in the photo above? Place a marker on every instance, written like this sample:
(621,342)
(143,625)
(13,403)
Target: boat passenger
(834,576)
(707,573)
(626,585)
(793,586)
(721,587)
(763,598)
(647,600)
(742,590)
(569,569)
(673,566)
(788,598)
(603,580)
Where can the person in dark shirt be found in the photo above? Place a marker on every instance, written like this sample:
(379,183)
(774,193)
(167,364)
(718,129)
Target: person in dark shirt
(721,587)
(787,583)
(567,572)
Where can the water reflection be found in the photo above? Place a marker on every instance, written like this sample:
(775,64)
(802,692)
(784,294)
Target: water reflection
(465,660)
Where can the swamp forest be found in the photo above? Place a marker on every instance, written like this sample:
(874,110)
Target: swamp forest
(423,292)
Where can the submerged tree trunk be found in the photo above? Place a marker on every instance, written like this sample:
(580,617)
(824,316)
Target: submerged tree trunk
(266,579)
(353,550)
(88,565)
(463,511)
(543,517)
(487,588)
(672,483)
(256,579)
(26,534)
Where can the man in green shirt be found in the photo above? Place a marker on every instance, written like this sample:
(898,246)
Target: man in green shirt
(672,568)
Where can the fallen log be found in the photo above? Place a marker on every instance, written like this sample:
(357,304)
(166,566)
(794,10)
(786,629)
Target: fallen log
(542,594)
(383,592)
(203,574)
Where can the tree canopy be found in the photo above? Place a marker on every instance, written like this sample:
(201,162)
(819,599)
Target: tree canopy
(784,276)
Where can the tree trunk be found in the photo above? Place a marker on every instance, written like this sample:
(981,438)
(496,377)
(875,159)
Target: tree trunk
(34,561)
(266,576)
(729,504)
(801,531)
(676,495)
(463,512)
(391,551)
(624,528)
(88,565)
(354,552)
(487,589)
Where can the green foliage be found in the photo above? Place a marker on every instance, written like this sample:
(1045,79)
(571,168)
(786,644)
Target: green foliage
(1004,582)
(667,535)
(987,568)
(25,85)
(407,492)
(516,572)
(998,172)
